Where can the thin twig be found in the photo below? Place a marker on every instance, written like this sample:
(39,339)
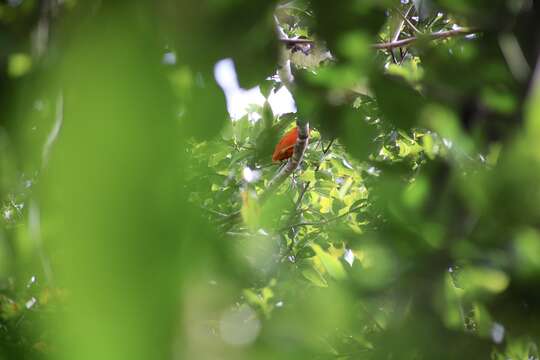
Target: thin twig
(324,222)
(403,56)
(406,19)
(394,59)
(307,184)
(214,212)
(399,28)
(301,196)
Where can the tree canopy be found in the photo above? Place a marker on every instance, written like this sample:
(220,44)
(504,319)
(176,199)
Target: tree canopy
(142,215)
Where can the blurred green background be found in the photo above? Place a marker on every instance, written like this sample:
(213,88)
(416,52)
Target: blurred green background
(136,217)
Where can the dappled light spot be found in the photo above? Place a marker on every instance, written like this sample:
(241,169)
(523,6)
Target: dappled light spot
(30,303)
(497,333)
(348,256)
(169,58)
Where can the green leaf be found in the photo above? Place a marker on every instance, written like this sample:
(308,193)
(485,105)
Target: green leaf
(331,264)
(478,280)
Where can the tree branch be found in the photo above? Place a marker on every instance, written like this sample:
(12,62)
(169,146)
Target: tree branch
(288,41)
(293,162)
(325,152)
(400,43)
(432,36)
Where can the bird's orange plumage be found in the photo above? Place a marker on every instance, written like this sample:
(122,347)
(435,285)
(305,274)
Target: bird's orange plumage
(285,147)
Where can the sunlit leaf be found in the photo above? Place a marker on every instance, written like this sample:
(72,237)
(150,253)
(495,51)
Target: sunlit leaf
(332,265)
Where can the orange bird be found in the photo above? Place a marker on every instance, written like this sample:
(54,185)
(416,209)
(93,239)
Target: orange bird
(285,147)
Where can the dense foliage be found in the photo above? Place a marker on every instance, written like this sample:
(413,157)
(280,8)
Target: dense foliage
(140,220)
